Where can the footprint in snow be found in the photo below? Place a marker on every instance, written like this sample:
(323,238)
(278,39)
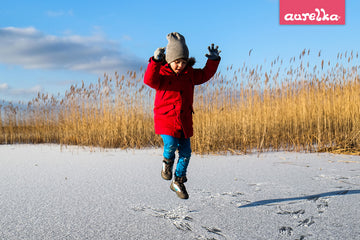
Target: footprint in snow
(322,205)
(288,231)
(181,219)
(307,222)
(178,217)
(294,214)
(213,230)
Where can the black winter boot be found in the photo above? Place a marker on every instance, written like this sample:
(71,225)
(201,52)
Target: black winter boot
(177,185)
(166,171)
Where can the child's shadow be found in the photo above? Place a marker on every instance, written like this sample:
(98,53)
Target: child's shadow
(310,198)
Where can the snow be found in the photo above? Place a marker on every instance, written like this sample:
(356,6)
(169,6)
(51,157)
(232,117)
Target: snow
(54,192)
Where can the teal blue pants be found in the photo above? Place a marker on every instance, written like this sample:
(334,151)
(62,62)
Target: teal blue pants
(171,144)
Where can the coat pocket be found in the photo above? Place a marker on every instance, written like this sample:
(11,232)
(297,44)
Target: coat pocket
(164,109)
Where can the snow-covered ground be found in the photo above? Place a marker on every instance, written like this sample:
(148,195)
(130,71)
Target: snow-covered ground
(49,192)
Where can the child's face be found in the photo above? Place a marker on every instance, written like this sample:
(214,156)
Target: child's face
(178,65)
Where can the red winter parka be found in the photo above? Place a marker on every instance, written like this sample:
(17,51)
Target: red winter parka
(174,95)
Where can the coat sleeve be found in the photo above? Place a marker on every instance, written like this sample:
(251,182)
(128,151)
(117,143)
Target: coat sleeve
(152,74)
(203,75)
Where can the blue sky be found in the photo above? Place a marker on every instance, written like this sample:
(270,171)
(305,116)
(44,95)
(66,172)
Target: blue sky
(49,45)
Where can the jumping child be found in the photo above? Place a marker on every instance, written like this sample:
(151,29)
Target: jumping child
(174,78)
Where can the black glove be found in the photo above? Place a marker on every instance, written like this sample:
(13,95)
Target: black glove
(213,52)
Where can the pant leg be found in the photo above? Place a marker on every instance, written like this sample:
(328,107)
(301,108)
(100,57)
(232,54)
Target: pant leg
(170,146)
(184,157)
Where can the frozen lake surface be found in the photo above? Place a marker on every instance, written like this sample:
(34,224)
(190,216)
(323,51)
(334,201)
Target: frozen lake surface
(53,192)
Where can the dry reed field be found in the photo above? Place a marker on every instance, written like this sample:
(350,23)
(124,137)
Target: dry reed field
(292,105)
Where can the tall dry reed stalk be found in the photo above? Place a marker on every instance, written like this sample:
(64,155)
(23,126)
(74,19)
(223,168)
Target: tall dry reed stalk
(284,107)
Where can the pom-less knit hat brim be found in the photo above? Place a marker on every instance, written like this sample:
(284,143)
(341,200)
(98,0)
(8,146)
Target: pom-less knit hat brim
(176,48)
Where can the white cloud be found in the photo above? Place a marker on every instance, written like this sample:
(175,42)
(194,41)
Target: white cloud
(8,92)
(32,49)
(3,86)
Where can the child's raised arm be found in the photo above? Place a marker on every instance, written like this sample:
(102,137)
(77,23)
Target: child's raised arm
(204,75)
(152,74)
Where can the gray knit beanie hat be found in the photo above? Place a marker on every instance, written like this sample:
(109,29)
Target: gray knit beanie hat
(176,47)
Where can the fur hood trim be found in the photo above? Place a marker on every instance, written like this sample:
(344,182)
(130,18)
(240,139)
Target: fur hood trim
(191,61)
